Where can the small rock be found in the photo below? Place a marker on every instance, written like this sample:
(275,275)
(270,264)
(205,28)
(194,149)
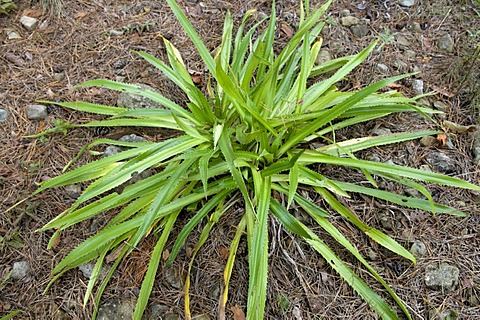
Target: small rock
(428,141)
(172,316)
(382,67)
(374,158)
(385,220)
(116,309)
(443,277)
(173,276)
(58,76)
(3,115)
(87,270)
(442,315)
(349,21)
(407,3)
(111,150)
(132,138)
(381,131)
(37,112)
(476,145)
(371,254)
(344,13)
(20,269)
(418,249)
(28,22)
(360,30)
(157,311)
(337,47)
(441,162)
(133,101)
(415,26)
(73,190)
(410,54)
(114,32)
(323,56)
(439,105)
(13,35)
(417,86)
(446,43)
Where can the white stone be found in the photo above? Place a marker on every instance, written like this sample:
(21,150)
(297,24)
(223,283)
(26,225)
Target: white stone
(13,35)
(407,3)
(29,22)
(37,112)
(3,115)
(417,86)
(20,269)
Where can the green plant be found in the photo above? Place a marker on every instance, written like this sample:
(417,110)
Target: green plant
(249,139)
(7,6)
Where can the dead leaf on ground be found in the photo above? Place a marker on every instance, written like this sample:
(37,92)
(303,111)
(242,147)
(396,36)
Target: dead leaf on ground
(80,15)
(223,253)
(165,255)
(16,60)
(458,128)
(196,77)
(238,313)
(442,91)
(287,29)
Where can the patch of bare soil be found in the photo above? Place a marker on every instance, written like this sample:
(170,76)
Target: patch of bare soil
(83,40)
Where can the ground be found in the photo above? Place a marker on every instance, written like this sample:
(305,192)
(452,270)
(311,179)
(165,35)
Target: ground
(83,40)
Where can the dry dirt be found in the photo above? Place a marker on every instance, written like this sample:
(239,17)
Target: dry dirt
(73,43)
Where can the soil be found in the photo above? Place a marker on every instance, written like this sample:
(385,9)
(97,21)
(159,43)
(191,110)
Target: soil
(75,42)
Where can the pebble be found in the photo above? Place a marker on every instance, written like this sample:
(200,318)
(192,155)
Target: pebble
(13,35)
(37,112)
(114,32)
(132,138)
(371,254)
(441,162)
(381,131)
(173,277)
(3,115)
(134,101)
(116,309)
(407,3)
(418,249)
(349,21)
(476,146)
(382,67)
(58,76)
(323,56)
(428,141)
(360,30)
(20,269)
(111,150)
(73,191)
(157,311)
(417,86)
(443,277)
(344,13)
(446,43)
(29,23)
